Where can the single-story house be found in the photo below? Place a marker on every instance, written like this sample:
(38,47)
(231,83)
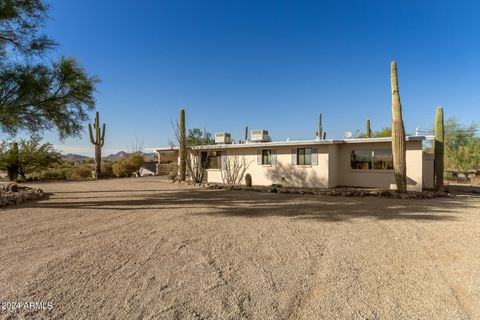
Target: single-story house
(358,162)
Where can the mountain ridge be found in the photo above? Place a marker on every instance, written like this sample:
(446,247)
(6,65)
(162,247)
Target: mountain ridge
(111,157)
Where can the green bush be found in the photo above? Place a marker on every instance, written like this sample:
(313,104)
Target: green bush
(123,168)
(82,172)
(128,166)
(107,170)
(53,175)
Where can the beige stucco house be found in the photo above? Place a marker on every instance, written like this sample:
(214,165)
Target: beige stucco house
(365,162)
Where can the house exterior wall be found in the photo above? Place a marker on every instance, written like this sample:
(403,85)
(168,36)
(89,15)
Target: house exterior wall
(379,178)
(283,172)
(333,166)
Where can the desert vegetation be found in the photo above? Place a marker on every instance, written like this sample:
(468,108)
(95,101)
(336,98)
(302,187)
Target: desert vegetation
(31,160)
(36,95)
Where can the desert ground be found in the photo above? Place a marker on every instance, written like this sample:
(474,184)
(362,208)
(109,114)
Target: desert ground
(142,248)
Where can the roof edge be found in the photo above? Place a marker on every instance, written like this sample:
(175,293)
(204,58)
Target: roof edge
(295,142)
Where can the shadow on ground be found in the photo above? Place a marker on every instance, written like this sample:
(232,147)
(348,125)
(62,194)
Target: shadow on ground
(464,190)
(224,203)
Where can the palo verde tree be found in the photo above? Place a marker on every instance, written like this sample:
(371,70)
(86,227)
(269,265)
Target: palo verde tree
(27,157)
(199,137)
(34,95)
(462,146)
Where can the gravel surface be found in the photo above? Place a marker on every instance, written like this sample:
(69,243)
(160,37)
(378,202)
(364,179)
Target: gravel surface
(146,249)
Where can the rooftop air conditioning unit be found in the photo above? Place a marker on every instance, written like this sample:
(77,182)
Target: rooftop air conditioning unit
(223,138)
(260,136)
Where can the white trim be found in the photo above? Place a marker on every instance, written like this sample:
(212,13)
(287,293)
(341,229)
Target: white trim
(267,145)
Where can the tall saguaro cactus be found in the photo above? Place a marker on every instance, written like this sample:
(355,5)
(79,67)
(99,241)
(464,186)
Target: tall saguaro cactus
(320,127)
(98,140)
(398,134)
(183,146)
(368,129)
(439,152)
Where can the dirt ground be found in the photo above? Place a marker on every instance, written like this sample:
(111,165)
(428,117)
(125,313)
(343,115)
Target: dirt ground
(146,249)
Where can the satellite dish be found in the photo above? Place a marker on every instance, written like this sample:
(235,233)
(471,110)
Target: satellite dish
(347,135)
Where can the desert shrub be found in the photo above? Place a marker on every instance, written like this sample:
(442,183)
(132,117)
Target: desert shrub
(53,174)
(123,168)
(172,175)
(136,161)
(82,172)
(128,166)
(107,170)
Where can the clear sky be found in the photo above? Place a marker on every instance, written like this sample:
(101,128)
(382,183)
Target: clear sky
(268,64)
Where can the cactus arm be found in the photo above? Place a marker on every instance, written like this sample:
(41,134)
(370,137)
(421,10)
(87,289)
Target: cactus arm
(97,127)
(103,135)
(91,134)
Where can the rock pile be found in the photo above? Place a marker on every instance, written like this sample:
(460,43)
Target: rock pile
(12,194)
(340,191)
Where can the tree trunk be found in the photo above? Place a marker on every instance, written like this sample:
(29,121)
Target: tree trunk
(98,160)
(12,172)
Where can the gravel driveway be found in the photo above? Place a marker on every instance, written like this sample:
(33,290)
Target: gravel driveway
(146,249)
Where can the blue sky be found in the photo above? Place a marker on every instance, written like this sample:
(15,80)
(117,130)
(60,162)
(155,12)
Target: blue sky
(268,64)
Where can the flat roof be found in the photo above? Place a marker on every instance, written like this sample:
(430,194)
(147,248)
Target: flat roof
(294,143)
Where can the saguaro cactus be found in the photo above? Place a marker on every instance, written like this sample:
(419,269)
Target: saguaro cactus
(398,134)
(439,153)
(98,140)
(320,128)
(368,130)
(183,146)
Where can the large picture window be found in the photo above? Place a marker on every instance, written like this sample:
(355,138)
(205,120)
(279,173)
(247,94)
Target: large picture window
(371,159)
(304,157)
(382,160)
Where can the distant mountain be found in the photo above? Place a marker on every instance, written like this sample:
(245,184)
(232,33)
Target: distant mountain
(122,154)
(71,157)
(116,156)
(151,156)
